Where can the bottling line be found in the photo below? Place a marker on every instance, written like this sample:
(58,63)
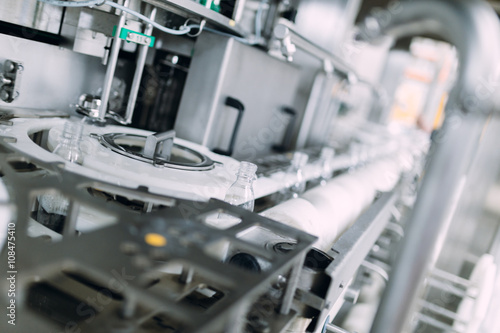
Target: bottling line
(249,166)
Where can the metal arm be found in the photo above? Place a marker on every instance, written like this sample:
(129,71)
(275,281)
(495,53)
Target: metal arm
(472,26)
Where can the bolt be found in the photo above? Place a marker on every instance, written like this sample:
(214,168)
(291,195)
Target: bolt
(4,95)
(284,247)
(9,66)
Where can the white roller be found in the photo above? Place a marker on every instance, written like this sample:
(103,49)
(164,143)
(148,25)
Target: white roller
(361,192)
(301,214)
(335,205)
(386,174)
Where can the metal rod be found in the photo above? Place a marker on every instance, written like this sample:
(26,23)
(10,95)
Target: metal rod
(439,310)
(291,287)
(71,219)
(450,277)
(432,282)
(429,222)
(129,306)
(435,323)
(330,328)
(471,26)
(139,69)
(186,276)
(376,268)
(395,228)
(110,71)
(239,8)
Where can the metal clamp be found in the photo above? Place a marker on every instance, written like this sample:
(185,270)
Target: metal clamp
(10,80)
(159,145)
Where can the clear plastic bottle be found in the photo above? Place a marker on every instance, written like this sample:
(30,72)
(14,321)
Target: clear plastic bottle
(325,163)
(295,182)
(241,192)
(55,205)
(69,145)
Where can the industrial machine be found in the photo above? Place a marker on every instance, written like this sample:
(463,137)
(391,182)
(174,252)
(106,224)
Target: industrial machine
(249,166)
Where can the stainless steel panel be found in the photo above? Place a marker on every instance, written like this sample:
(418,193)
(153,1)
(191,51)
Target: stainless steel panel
(222,67)
(53,77)
(31,14)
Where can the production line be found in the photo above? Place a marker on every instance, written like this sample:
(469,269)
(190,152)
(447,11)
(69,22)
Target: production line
(249,166)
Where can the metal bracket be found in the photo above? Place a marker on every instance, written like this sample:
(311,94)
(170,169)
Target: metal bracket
(159,145)
(10,80)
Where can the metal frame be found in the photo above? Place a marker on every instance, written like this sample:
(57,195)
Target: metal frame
(119,255)
(348,254)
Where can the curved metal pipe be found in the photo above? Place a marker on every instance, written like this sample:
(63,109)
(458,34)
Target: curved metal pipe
(470,25)
(473,27)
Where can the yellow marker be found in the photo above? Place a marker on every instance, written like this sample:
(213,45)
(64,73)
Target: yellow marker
(232,23)
(156,240)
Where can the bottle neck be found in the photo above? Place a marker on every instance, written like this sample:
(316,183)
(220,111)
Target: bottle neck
(245,179)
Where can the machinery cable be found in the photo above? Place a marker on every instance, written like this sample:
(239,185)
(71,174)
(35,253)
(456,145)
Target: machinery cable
(182,31)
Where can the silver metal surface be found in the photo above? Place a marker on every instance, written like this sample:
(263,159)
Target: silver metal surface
(111,66)
(239,7)
(377,269)
(134,275)
(472,26)
(450,277)
(436,323)
(350,250)
(263,84)
(424,233)
(31,14)
(137,147)
(159,144)
(136,82)
(56,83)
(89,105)
(317,93)
(330,328)
(438,310)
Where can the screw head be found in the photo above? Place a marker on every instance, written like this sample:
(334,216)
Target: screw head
(4,95)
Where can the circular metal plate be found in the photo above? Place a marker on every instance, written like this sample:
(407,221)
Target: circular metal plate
(132,145)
